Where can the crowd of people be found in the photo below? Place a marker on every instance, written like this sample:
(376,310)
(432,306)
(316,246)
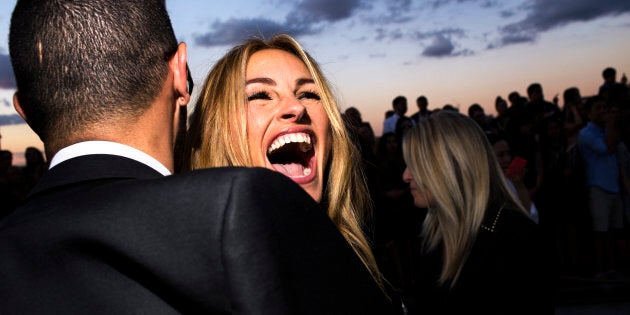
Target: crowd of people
(567,165)
(17,181)
(274,202)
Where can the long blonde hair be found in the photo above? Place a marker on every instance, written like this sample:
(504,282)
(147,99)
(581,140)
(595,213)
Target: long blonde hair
(449,157)
(217,137)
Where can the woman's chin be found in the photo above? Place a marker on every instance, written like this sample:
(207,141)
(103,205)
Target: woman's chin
(313,190)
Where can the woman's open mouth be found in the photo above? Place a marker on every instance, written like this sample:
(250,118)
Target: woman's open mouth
(293,155)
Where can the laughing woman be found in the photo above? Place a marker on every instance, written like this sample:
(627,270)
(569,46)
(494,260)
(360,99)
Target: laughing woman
(267,104)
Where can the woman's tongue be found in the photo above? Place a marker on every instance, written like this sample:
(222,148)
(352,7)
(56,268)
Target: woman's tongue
(292,169)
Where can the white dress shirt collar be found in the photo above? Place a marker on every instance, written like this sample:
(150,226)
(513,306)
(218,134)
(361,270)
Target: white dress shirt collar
(107,147)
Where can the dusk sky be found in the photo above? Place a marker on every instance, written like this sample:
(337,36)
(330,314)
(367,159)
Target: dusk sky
(458,52)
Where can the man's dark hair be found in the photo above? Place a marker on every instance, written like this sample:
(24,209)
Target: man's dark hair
(422,100)
(609,72)
(533,88)
(514,97)
(78,62)
(399,100)
(572,95)
(473,108)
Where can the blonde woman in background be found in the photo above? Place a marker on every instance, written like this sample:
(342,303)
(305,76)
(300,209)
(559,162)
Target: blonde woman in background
(481,250)
(267,104)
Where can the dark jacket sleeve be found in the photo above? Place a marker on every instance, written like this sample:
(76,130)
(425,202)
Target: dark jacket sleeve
(283,255)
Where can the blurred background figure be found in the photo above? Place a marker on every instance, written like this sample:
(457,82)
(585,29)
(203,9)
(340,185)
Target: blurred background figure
(399,106)
(35,167)
(13,187)
(478,242)
(598,143)
(423,109)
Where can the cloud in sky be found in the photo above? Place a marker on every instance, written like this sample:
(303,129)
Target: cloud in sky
(437,28)
(233,31)
(322,10)
(436,4)
(419,22)
(441,46)
(7,81)
(13,119)
(303,19)
(309,17)
(394,12)
(442,42)
(544,15)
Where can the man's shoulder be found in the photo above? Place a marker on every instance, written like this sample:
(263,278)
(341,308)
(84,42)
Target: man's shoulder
(257,183)
(212,187)
(231,171)
(236,175)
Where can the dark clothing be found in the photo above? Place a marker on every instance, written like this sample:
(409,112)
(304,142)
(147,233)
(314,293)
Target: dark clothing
(506,272)
(102,234)
(417,116)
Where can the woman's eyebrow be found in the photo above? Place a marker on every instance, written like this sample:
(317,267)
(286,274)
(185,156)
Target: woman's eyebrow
(267,81)
(300,82)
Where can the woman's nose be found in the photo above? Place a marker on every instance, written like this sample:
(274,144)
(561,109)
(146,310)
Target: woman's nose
(406,176)
(292,109)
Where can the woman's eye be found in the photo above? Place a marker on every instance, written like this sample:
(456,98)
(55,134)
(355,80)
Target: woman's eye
(258,96)
(309,95)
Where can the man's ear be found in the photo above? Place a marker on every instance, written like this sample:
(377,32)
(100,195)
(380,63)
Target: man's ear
(180,74)
(18,107)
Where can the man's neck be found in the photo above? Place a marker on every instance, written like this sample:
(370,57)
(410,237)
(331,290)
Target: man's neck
(108,148)
(138,134)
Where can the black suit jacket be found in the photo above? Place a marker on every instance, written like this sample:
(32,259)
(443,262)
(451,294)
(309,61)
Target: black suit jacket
(103,234)
(508,271)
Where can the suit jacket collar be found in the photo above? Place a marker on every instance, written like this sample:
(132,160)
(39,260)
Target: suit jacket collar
(93,167)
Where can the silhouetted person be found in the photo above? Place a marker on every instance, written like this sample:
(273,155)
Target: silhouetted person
(478,114)
(501,121)
(399,105)
(35,166)
(423,109)
(13,186)
(609,75)
(538,106)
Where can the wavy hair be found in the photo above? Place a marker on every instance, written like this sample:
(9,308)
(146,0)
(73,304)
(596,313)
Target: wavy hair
(450,158)
(217,137)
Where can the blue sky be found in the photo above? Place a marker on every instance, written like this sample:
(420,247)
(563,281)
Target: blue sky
(452,51)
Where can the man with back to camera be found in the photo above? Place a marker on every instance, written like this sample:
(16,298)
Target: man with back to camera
(106,232)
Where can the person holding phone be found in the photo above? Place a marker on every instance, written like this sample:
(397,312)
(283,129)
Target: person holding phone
(514,169)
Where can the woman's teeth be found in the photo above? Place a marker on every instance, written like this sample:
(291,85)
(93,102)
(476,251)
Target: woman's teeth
(302,138)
